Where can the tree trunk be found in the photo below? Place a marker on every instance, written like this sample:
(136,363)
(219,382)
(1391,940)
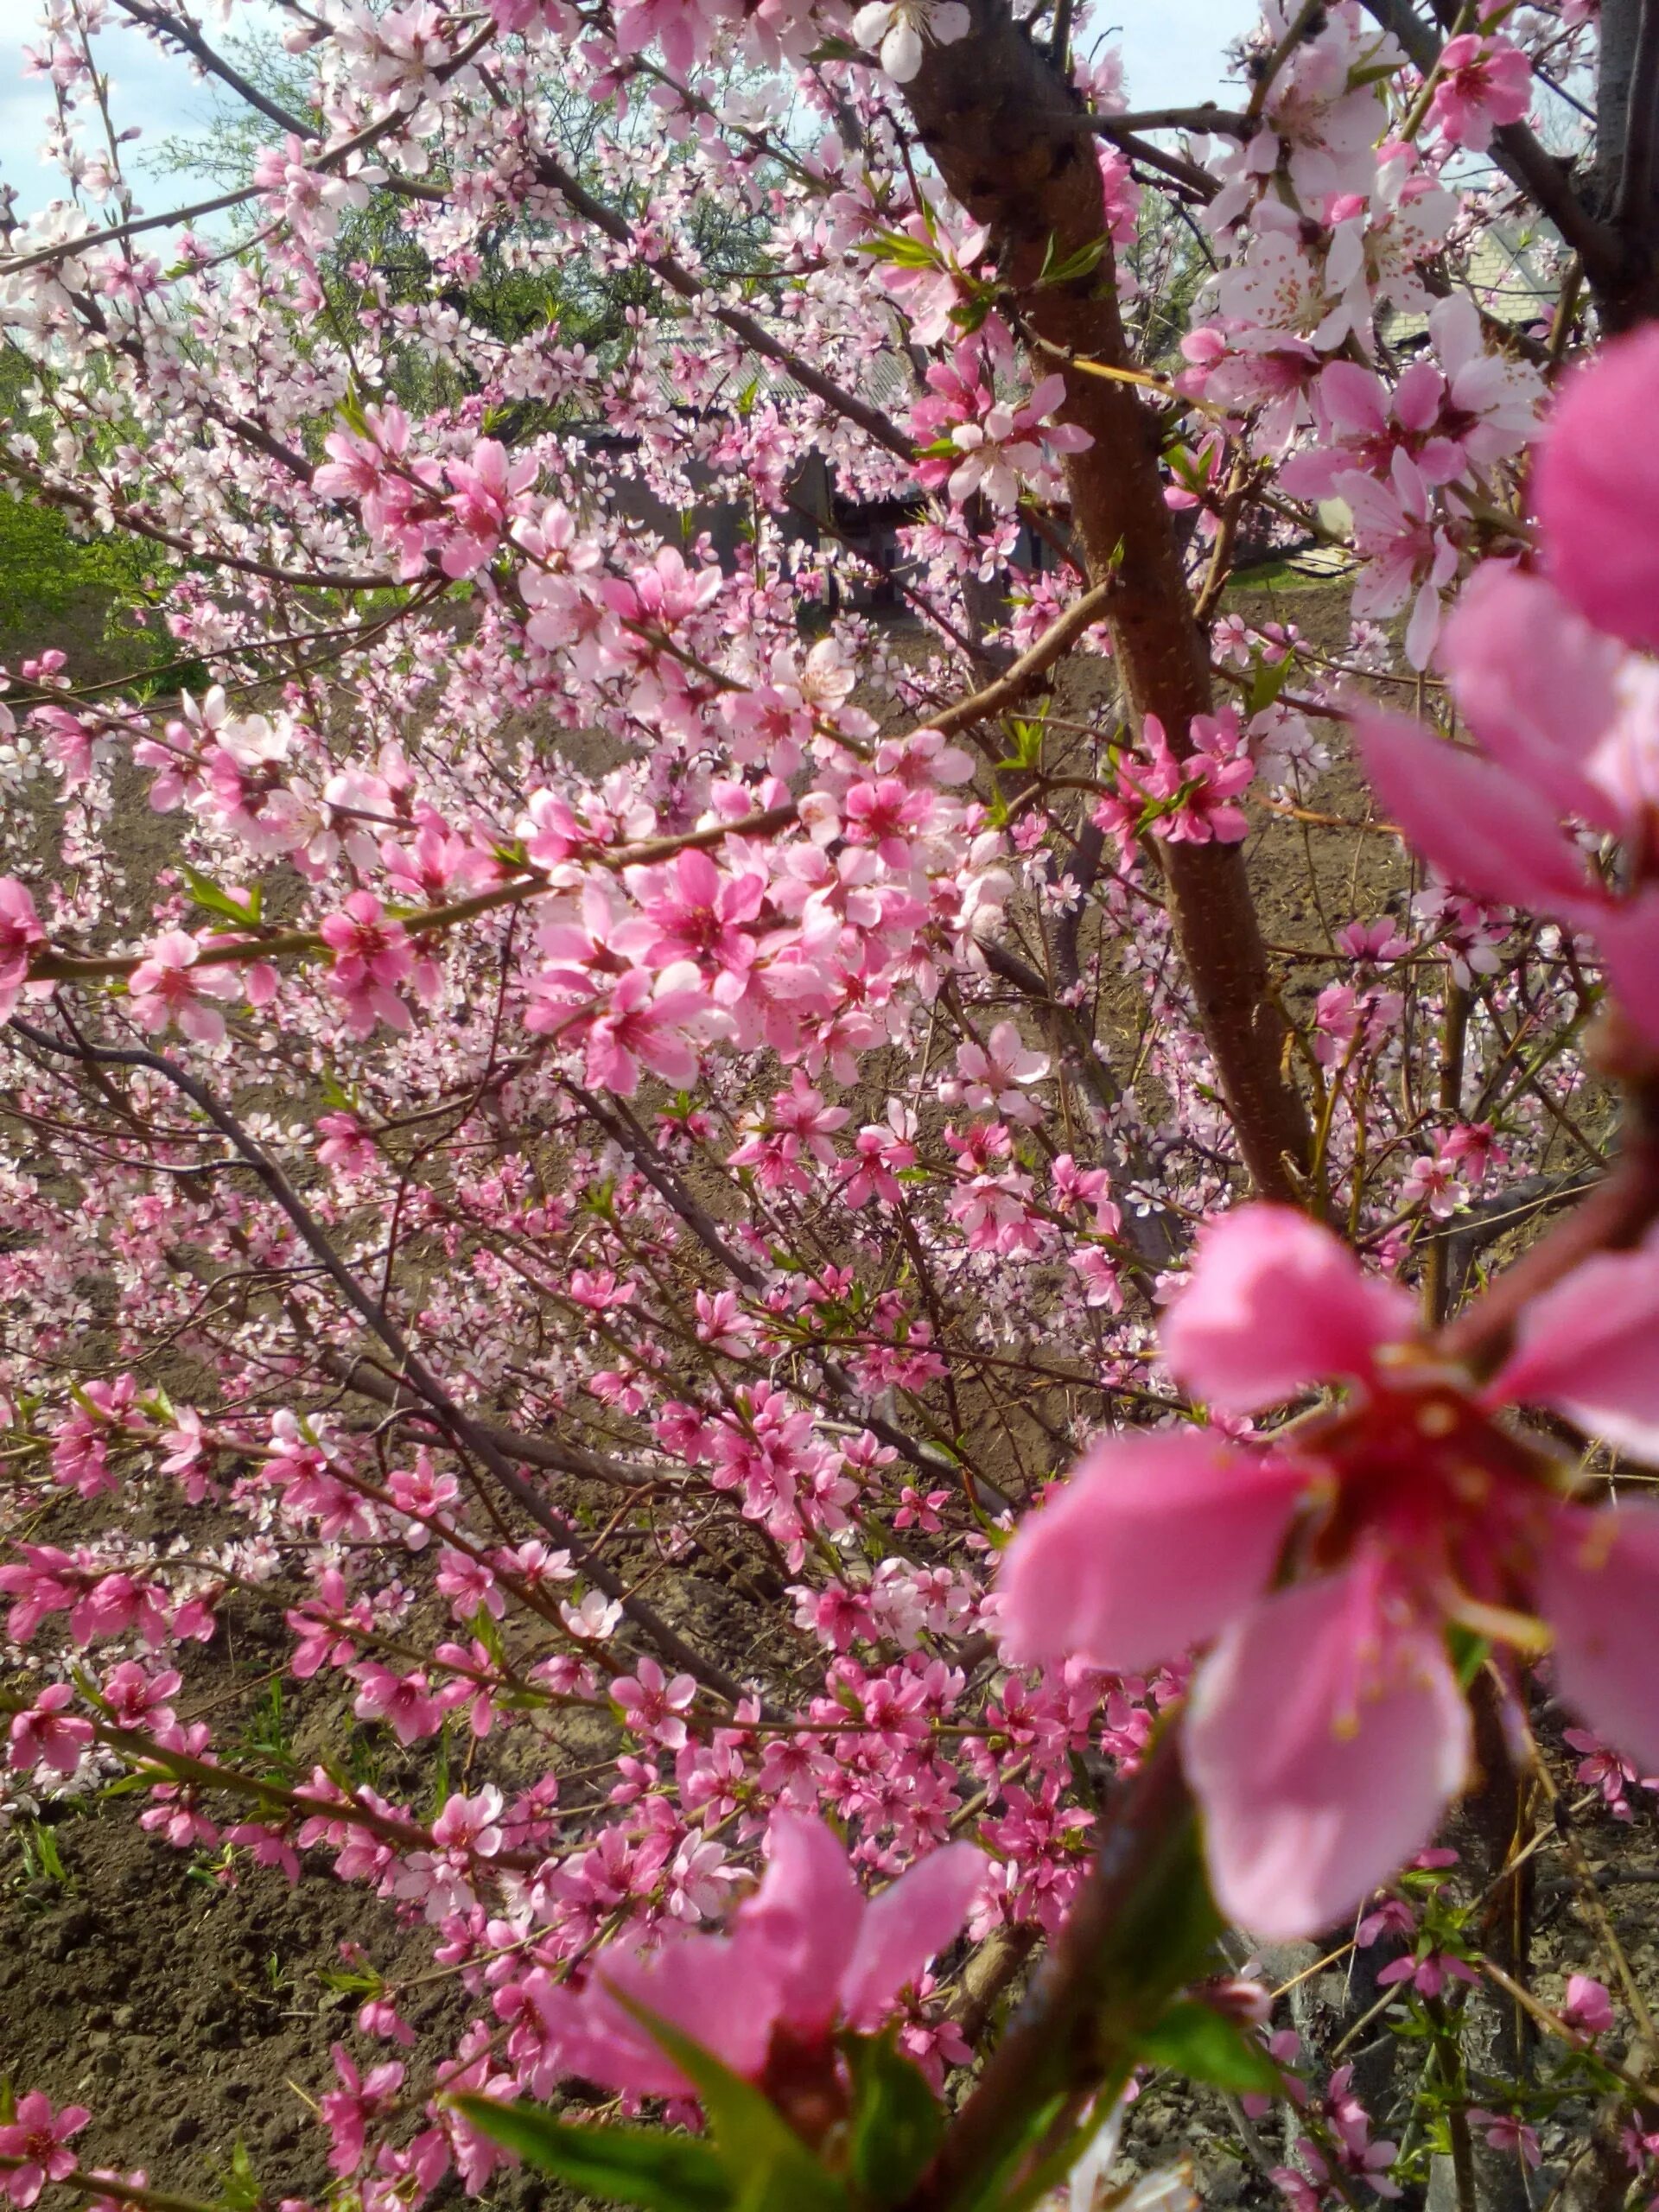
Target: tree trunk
(1011,139)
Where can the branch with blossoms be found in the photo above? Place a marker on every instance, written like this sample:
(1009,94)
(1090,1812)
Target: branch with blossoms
(907,1261)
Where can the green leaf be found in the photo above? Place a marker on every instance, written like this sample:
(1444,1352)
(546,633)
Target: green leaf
(645,2166)
(215,900)
(905,251)
(1468,1653)
(771,2168)
(1268,680)
(1206,2046)
(1082,263)
(897,2121)
(240,2189)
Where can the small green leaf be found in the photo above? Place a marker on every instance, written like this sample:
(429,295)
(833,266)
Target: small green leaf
(644,2166)
(1082,263)
(1206,2046)
(897,2121)
(240,2187)
(1268,680)
(1468,1653)
(213,898)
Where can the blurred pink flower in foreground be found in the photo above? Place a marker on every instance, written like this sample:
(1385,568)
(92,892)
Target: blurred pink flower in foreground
(1326,1730)
(808,1952)
(1566,717)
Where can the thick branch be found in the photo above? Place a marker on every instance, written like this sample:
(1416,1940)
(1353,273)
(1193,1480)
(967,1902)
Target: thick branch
(1009,135)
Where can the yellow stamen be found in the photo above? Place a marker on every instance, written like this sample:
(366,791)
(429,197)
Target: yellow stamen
(1499,1623)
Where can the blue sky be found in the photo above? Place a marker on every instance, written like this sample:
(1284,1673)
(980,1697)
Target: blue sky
(1172,49)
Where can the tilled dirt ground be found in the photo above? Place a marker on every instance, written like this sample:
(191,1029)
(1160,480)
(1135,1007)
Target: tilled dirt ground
(186,2014)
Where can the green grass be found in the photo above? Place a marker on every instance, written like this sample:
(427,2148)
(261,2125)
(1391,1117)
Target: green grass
(45,570)
(1279,575)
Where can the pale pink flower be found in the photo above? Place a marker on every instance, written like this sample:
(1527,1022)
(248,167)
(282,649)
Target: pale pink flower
(1326,1730)
(903,30)
(993,1077)
(1566,727)
(1409,558)
(1483,82)
(169,987)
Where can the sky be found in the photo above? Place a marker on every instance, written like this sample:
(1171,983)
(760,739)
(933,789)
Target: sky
(1172,52)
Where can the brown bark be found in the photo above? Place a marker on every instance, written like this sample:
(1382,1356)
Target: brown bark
(1011,139)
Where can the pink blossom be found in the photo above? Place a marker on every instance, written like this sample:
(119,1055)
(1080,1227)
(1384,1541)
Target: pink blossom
(372,955)
(168,987)
(139,1700)
(1409,557)
(902,29)
(807,1953)
(880,1153)
(403,1702)
(653,1022)
(359,2099)
(38,2138)
(1483,82)
(1506,2131)
(652,1706)
(1429,1973)
(994,1077)
(1587,2006)
(1595,492)
(45,1734)
(481,502)
(20,932)
(1326,1730)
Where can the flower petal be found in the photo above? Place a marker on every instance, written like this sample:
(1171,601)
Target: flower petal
(1599,1589)
(1155,1543)
(1594,492)
(1323,1739)
(1478,824)
(1275,1302)
(1586,1348)
(1535,684)
(1628,938)
(718,1989)
(905,1927)
(808,1912)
